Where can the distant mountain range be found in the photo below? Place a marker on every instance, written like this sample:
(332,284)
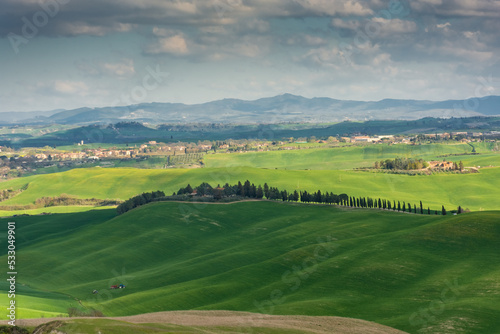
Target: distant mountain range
(282,108)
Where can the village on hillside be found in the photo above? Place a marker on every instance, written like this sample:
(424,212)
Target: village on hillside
(27,161)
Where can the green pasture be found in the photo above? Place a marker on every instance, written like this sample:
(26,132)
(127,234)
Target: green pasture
(266,257)
(474,191)
(51,210)
(349,157)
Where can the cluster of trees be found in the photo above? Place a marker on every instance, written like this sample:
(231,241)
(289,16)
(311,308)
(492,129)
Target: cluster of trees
(459,166)
(327,198)
(243,190)
(401,163)
(139,200)
(8,193)
(5,194)
(128,125)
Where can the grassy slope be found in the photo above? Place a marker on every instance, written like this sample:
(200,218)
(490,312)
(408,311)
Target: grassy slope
(353,156)
(52,209)
(475,191)
(380,266)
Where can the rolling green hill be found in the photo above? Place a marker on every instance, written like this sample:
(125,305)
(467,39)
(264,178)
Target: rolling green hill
(474,191)
(354,156)
(417,273)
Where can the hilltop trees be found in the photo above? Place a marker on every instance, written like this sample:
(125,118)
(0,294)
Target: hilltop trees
(139,200)
(401,163)
(250,190)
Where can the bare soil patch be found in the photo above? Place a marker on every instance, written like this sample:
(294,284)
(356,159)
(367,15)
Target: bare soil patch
(207,319)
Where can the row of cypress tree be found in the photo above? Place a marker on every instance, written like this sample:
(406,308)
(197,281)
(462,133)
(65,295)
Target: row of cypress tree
(250,190)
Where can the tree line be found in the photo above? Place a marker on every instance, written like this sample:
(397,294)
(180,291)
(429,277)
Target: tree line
(250,190)
(139,200)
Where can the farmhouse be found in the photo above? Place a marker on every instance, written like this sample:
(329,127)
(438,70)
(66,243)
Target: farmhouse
(205,147)
(361,139)
(441,164)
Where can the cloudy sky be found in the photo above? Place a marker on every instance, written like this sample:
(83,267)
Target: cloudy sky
(61,54)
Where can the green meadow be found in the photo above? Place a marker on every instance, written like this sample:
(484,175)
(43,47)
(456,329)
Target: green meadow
(474,191)
(417,273)
(52,209)
(349,157)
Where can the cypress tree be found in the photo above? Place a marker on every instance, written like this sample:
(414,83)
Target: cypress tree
(421,207)
(284,196)
(260,193)
(253,191)
(317,197)
(266,190)
(246,189)
(404,207)
(443,210)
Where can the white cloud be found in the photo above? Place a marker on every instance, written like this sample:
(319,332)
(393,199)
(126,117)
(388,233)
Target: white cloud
(120,69)
(70,87)
(453,8)
(175,45)
(83,28)
(444,25)
(331,8)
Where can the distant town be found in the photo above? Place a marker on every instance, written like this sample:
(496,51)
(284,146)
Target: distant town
(26,161)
